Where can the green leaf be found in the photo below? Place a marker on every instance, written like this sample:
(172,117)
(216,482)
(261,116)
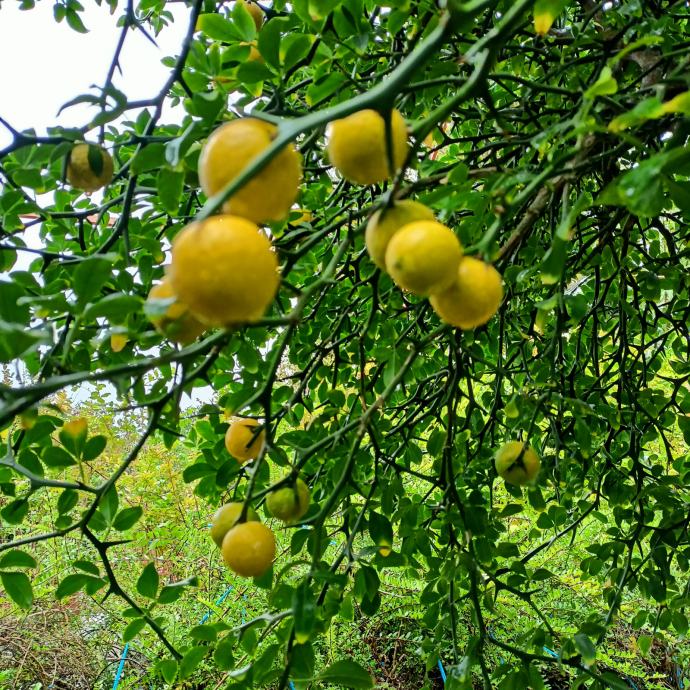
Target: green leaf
(303,660)
(133,629)
(176,149)
(217,27)
(127,518)
(678,619)
(680,193)
(87,566)
(18,588)
(303,612)
(67,500)
(243,22)
(640,189)
(147,584)
(115,307)
(170,184)
(75,22)
(605,85)
(347,674)
(204,633)
(15,511)
(174,591)
(151,157)
(168,669)
(71,584)
(644,644)
(94,447)
(90,276)
(109,503)
(270,38)
(17,559)
(253,71)
(584,645)
(57,458)
(223,656)
(16,340)
(191,660)
(381,532)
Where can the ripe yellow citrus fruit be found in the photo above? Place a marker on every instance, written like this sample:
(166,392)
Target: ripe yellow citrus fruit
(255,11)
(289,503)
(269,195)
(27,419)
(226,518)
(473,298)
(77,428)
(386,222)
(89,167)
(177,323)
(224,270)
(254,54)
(249,549)
(242,441)
(357,146)
(118,341)
(517,463)
(423,257)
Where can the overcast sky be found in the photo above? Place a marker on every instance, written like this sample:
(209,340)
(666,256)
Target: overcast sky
(46,64)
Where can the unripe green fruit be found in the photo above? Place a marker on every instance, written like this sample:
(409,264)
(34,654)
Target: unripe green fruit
(226,518)
(289,503)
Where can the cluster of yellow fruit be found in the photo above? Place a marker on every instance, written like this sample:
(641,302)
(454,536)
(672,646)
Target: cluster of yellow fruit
(248,546)
(224,270)
(421,255)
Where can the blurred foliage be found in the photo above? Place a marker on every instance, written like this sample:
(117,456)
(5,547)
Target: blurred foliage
(563,158)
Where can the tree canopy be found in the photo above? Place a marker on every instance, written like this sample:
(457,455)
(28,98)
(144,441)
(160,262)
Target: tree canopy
(552,138)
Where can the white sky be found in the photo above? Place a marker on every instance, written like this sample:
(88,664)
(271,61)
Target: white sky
(46,64)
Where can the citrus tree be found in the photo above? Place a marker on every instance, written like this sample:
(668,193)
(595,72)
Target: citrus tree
(427,266)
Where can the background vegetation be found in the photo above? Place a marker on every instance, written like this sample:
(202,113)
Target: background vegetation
(564,159)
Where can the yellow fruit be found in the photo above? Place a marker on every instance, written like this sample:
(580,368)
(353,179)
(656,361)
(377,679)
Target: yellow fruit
(224,270)
(226,518)
(176,323)
(386,222)
(118,341)
(76,428)
(242,441)
(357,146)
(89,167)
(269,195)
(473,298)
(27,419)
(289,503)
(249,549)
(255,55)
(256,12)
(517,463)
(423,257)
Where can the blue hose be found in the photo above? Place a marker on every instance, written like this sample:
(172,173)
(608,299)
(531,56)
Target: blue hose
(120,667)
(204,618)
(443,671)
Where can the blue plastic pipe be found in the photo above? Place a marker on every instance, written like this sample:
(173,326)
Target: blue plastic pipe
(120,667)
